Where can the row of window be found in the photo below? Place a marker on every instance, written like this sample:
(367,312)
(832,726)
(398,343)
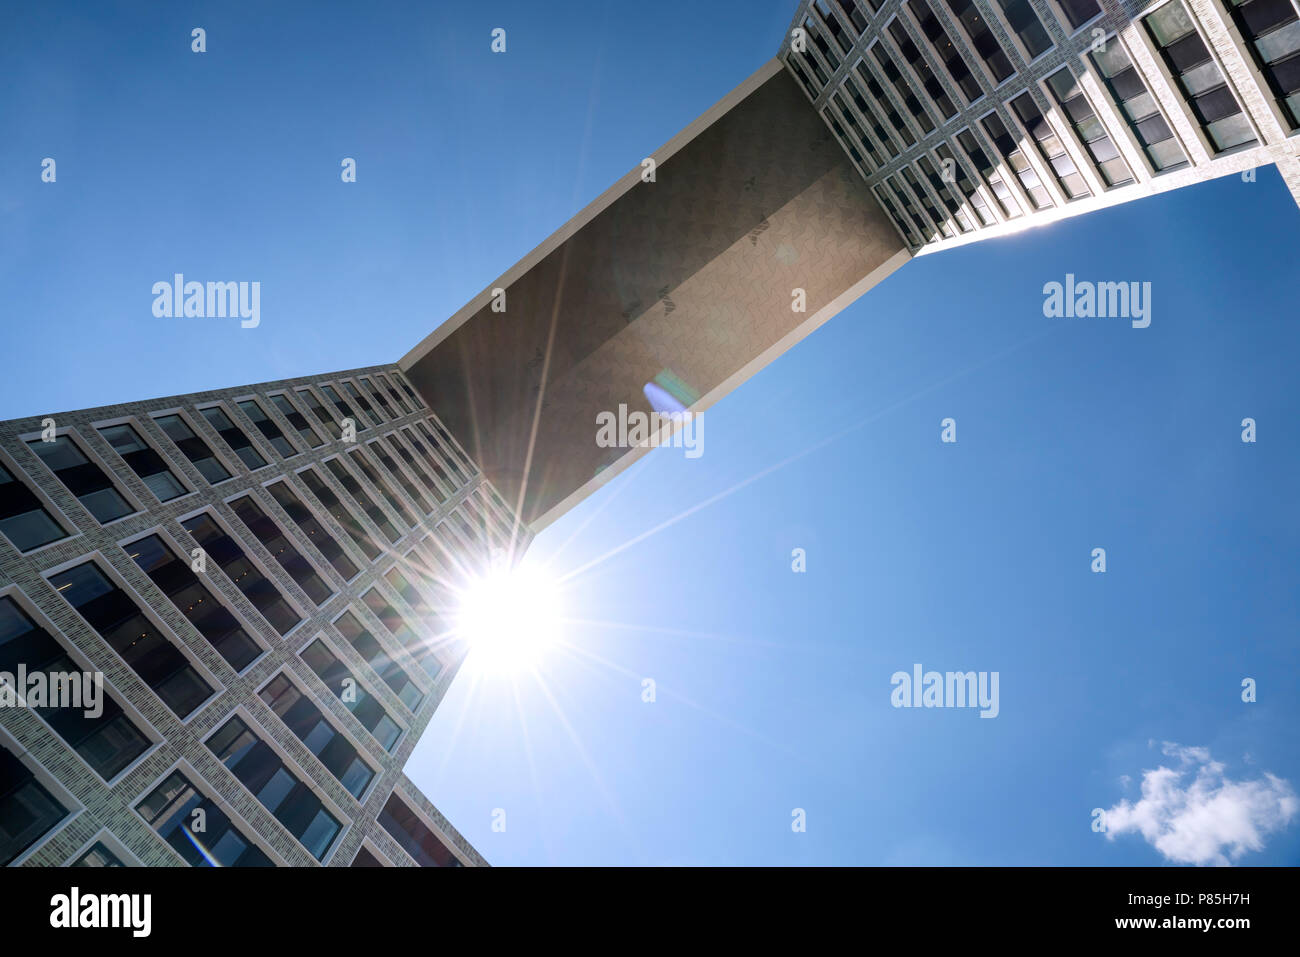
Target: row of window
(874,132)
(196,827)
(28,524)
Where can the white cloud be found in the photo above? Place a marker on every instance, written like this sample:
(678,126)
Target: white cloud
(1193,814)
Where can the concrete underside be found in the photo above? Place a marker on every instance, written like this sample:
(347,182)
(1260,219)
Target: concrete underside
(689,278)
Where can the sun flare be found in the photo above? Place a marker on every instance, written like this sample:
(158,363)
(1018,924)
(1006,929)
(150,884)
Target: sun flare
(509,617)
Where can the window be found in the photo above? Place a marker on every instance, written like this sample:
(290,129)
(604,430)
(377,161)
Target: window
(1016,159)
(306,521)
(1022,19)
(946,49)
(902,222)
(107,743)
(819,41)
(380,451)
(193,448)
(982,39)
(397,398)
(833,26)
(261,770)
(1050,147)
(368,647)
(951,201)
(173,808)
(210,618)
(359,460)
(297,420)
(362,500)
(343,407)
(414,396)
(364,707)
(1079,12)
(318,410)
(365,859)
(924,228)
(330,502)
(27,810)
(405,455)
(23,518)
(402,631)
(366,408)
(1074,105)
(120,622)
(988,172)
(1272,32)
(234,437)
(1198,77)
(455,458)
(433,460)
(143,461)
(275,542)
(98,855)
(965,185)
(414,835)
(938,218)
(263,595)
(82,477)
(855,15)
(379,396)
(270,431)
(320,737)
(877,92)
(922,69)
(1138,107)
(902,87)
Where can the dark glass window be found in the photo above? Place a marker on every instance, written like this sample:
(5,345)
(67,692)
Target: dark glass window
(297,420)
(1199,78)
(359,460)
(362,402)
(107,743)
(325,542)
(414,835)
(1050,147)
(343,407)
(270,431)
(1138,107)
(193,448)
(222,549)
(948,51)
(206,839)
(965,185)
(23,518)
(362,499)
(405,455)
(319,411)
(274,540)
(260,769)
(380,450)
(321,738)
(368,647)
(402,631)
(234,437)
(448,448)
(434,461)
(119,621)
(1076,109)
(27,810)
(364,706)
(209,617)
(1272,33)
(414,396)
(98,855)
(1016,159)
(1022,19)
(1079,12)
(144,461)
(982,39)
(82,477)
(396,396)
(330,502)
(378,395)
(365,859)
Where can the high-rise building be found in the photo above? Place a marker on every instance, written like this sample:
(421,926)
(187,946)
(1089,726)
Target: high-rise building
(263,575)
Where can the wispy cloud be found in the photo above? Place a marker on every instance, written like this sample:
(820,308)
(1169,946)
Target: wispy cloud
(1194,814)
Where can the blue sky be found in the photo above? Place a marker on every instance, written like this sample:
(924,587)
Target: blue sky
(773,688)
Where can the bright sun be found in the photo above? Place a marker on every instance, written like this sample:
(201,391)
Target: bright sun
(509,617)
